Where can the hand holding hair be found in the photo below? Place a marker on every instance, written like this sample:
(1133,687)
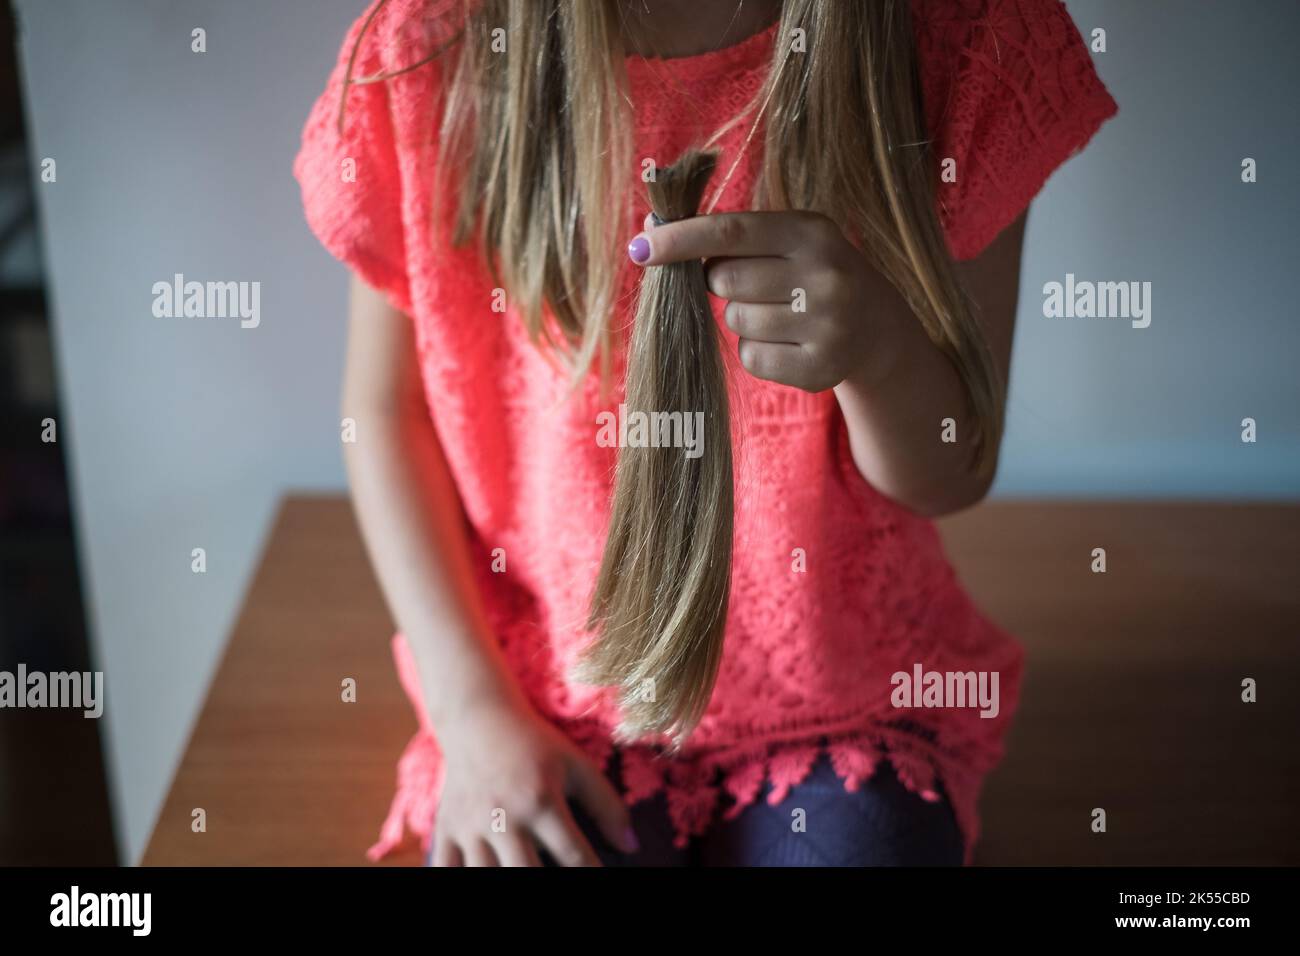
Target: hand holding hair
(809,309)
(893,380)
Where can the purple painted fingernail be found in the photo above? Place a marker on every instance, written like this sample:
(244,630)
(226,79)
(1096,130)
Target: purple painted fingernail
(639,249)
(630,843)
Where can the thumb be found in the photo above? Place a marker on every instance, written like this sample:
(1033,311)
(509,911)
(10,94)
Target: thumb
(599,798)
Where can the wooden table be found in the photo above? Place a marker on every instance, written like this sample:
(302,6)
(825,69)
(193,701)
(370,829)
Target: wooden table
(1132,700)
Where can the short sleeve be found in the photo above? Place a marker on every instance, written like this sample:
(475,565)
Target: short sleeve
(351,178)
(1010,94)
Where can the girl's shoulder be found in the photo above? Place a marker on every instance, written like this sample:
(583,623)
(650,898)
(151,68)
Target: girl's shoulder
(1011,92)
(397,34)
(1032,28)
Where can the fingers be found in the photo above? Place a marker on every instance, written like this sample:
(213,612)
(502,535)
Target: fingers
(446,852)
(758,279)
(555,829)
(560,834)
(516,849)
(599,798)
(783,363)
(479,853)
(511,848)
(765,322)
(723,234)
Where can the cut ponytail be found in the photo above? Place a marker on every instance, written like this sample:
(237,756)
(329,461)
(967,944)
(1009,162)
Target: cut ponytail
(660,603)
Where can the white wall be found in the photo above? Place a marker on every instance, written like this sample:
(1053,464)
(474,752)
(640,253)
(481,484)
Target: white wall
(1100,408)
(183,433)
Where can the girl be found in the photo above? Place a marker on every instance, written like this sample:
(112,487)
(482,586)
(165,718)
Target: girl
(480,166)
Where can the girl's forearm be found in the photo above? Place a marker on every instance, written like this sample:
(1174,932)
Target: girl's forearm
(411,519)
(895,414)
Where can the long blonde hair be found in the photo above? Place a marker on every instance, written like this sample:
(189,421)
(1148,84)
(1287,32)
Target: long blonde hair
(660,603)
(535,142)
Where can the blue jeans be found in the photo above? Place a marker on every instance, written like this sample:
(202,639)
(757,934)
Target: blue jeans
(882,823)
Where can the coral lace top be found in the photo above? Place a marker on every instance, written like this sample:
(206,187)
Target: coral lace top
(835,588)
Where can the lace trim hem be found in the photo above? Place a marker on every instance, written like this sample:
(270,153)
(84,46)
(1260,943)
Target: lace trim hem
(695,785)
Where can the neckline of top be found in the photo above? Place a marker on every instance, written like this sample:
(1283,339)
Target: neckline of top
(741,55)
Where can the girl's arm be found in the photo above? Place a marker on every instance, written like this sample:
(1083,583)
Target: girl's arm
(410,515)
(894,412)
(499,754)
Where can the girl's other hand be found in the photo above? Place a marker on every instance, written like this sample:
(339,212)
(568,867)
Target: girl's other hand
(508,777)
